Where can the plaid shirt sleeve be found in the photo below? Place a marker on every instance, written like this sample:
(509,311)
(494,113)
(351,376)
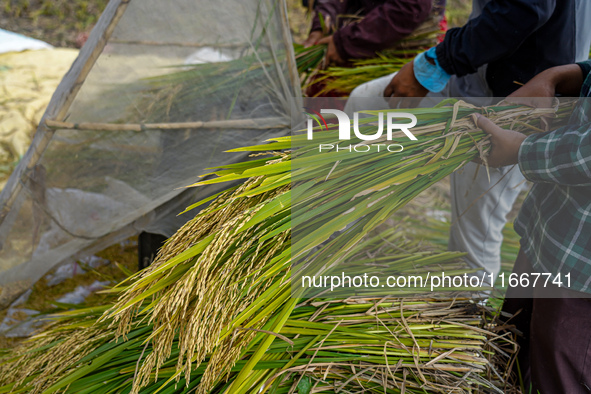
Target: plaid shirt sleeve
(562,157)
(555,220)
(586,68)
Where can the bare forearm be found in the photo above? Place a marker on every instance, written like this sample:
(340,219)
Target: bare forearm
(567,79)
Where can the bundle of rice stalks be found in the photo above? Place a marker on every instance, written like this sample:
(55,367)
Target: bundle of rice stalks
(228,84)
(223,84)
(215,312)
(343,80)
(221,87)
(436,232)
(309,60)
(415,344)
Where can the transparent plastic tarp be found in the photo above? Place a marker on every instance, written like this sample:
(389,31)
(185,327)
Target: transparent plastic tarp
(176,85)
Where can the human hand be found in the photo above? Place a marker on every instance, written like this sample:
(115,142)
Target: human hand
(332,54)
(505,144)
(404,84)
(313,38)
(539,92)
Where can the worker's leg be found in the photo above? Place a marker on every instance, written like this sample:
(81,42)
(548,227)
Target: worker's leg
(555,345)
(369,95)
(479,211)
(560,344)
(148,246)
(517,313)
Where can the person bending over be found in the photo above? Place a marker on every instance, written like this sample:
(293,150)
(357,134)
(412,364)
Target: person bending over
(357,29)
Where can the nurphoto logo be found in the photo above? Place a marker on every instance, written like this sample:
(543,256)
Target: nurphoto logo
(344,123)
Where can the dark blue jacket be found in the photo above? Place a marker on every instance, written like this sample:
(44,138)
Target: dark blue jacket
(516,38)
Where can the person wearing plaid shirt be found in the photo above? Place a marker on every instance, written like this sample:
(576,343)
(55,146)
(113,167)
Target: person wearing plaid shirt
(554,224)
(555,220)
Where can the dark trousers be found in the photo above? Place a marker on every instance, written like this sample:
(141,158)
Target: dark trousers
(148,246)
(555,349)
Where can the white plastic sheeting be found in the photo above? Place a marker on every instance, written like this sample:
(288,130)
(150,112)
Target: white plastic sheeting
(13,42)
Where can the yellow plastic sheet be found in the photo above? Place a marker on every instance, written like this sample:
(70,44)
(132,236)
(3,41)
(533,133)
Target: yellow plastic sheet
(27,81)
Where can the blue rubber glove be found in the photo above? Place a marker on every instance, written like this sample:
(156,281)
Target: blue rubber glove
(431,76)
